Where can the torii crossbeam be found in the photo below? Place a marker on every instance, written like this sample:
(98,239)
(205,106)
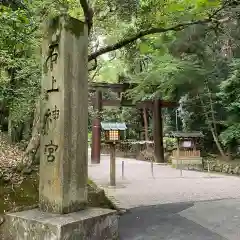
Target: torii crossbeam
(98,103)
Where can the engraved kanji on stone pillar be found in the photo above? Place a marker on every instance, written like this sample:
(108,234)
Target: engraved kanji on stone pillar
(63,161)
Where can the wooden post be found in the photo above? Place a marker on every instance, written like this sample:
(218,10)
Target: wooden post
(112,164)
(122,169)
(208,165)
(178,157)
(96,129)
(158,131)
(152,169)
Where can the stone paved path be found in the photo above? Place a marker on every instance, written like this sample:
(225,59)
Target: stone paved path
(139,188)
(208,220)
(197,206)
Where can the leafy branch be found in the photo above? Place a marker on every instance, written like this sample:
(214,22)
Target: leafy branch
(211,19)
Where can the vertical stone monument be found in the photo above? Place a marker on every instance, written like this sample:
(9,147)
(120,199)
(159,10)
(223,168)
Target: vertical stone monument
(63,212)
(63,168)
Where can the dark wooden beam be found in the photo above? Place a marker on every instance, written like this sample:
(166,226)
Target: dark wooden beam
(118,103)
(122,87)
(168,104)
(115,87)
(162,103)
(129,103)
(115,103)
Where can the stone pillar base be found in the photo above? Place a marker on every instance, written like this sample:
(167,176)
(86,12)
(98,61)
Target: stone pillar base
(88,224)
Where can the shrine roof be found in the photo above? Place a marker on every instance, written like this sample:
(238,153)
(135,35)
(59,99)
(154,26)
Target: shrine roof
(113,126)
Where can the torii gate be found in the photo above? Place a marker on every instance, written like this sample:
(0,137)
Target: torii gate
(98,103)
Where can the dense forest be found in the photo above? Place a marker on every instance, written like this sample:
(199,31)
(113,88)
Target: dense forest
(186,51)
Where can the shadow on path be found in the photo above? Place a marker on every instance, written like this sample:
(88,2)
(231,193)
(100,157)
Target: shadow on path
(162,222)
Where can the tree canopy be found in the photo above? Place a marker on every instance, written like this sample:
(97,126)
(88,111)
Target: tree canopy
(186,51)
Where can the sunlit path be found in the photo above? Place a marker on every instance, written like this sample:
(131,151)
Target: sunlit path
(139,188)
(197,206)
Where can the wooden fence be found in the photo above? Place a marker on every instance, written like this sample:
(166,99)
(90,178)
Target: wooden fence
(186,153)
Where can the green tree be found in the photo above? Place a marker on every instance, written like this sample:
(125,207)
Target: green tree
(20,67)
(144,27)
(230,98)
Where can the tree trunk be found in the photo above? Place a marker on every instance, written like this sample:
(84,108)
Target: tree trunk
(211,108)
(33,146)
(27,129)
(217,142)
(212,127)
(229,152)
(10,129)
(15,132)
(3,116)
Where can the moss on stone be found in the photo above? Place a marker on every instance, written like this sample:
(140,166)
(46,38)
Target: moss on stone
(54,23)
(26,194)
(75,26)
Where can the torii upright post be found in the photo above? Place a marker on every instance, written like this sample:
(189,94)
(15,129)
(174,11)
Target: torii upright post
(158,131)
(96,129)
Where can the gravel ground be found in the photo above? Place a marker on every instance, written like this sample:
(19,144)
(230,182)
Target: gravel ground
(139,188)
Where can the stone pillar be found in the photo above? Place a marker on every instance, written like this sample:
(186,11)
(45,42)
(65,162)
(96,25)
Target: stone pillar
(158,131)
(96,129)
(64,146)
(63,162)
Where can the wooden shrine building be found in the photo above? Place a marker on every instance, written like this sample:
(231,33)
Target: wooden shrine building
(187,149)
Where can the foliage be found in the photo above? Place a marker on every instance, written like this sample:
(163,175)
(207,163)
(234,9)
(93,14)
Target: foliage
(20,57)
(20,68)
(186,64)
(230,98)
(192,67)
